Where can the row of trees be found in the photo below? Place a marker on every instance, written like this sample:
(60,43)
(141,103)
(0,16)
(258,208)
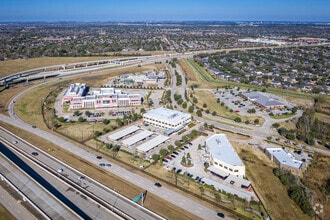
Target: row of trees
(296,191)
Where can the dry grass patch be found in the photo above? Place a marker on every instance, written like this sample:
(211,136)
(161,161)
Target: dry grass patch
(188,71)
(5,214)
(259,170)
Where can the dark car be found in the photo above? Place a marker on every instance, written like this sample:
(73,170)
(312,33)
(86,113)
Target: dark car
(33,126)
(108,165)
(220,215)
(98,157)
(176,153)
(179,171)
(173,156)
(35,153)
(102,164)
(158,184)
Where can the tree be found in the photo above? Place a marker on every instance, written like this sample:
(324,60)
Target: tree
(155,157)
(177,143)
(115,150)
(184,105)
(76,113)
(204,105)
(142,110)
(238,119)
(81,119)
(163,151)
(170,148)
(214,113)
(191,109)
(88,113)
(256,121)
(106,121)
(199,113)
(61,119)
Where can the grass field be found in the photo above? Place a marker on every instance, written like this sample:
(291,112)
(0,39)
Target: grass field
(5,214)
(259,170)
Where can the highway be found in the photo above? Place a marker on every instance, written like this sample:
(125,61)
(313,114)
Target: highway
(109,199)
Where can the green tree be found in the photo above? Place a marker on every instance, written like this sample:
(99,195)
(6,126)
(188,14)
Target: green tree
(238,119)
(106,121)
(81,119)
(256,121)
(199,113)
(184,105)
(61,119)
(155,157)
(163,151)
(170,148)
(191,109)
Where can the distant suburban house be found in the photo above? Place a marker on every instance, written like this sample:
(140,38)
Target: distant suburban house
(263,100)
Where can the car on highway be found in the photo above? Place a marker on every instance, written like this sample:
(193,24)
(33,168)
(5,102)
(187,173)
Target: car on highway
(98,157)
(60,170)
(35,153)
(158,184)
(108,165)
(33,126)
(220,214)
(102,164)
(14,142)
(81,177)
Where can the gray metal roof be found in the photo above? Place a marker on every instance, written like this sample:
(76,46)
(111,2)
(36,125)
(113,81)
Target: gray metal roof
(221,149)
(145,147)
(137,137)
(262,99)
(122,133)
(284,158)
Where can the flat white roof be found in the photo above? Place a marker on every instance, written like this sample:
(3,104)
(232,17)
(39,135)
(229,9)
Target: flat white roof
(137,137)
(237,180)
(145,147)
(122,133)
(242,193)
(221,149)
(167,114)
(284,158)
(218,171)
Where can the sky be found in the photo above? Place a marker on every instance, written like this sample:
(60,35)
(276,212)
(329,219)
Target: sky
(164,10)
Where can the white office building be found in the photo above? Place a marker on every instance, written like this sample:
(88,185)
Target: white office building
(223,158)
(166,118)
